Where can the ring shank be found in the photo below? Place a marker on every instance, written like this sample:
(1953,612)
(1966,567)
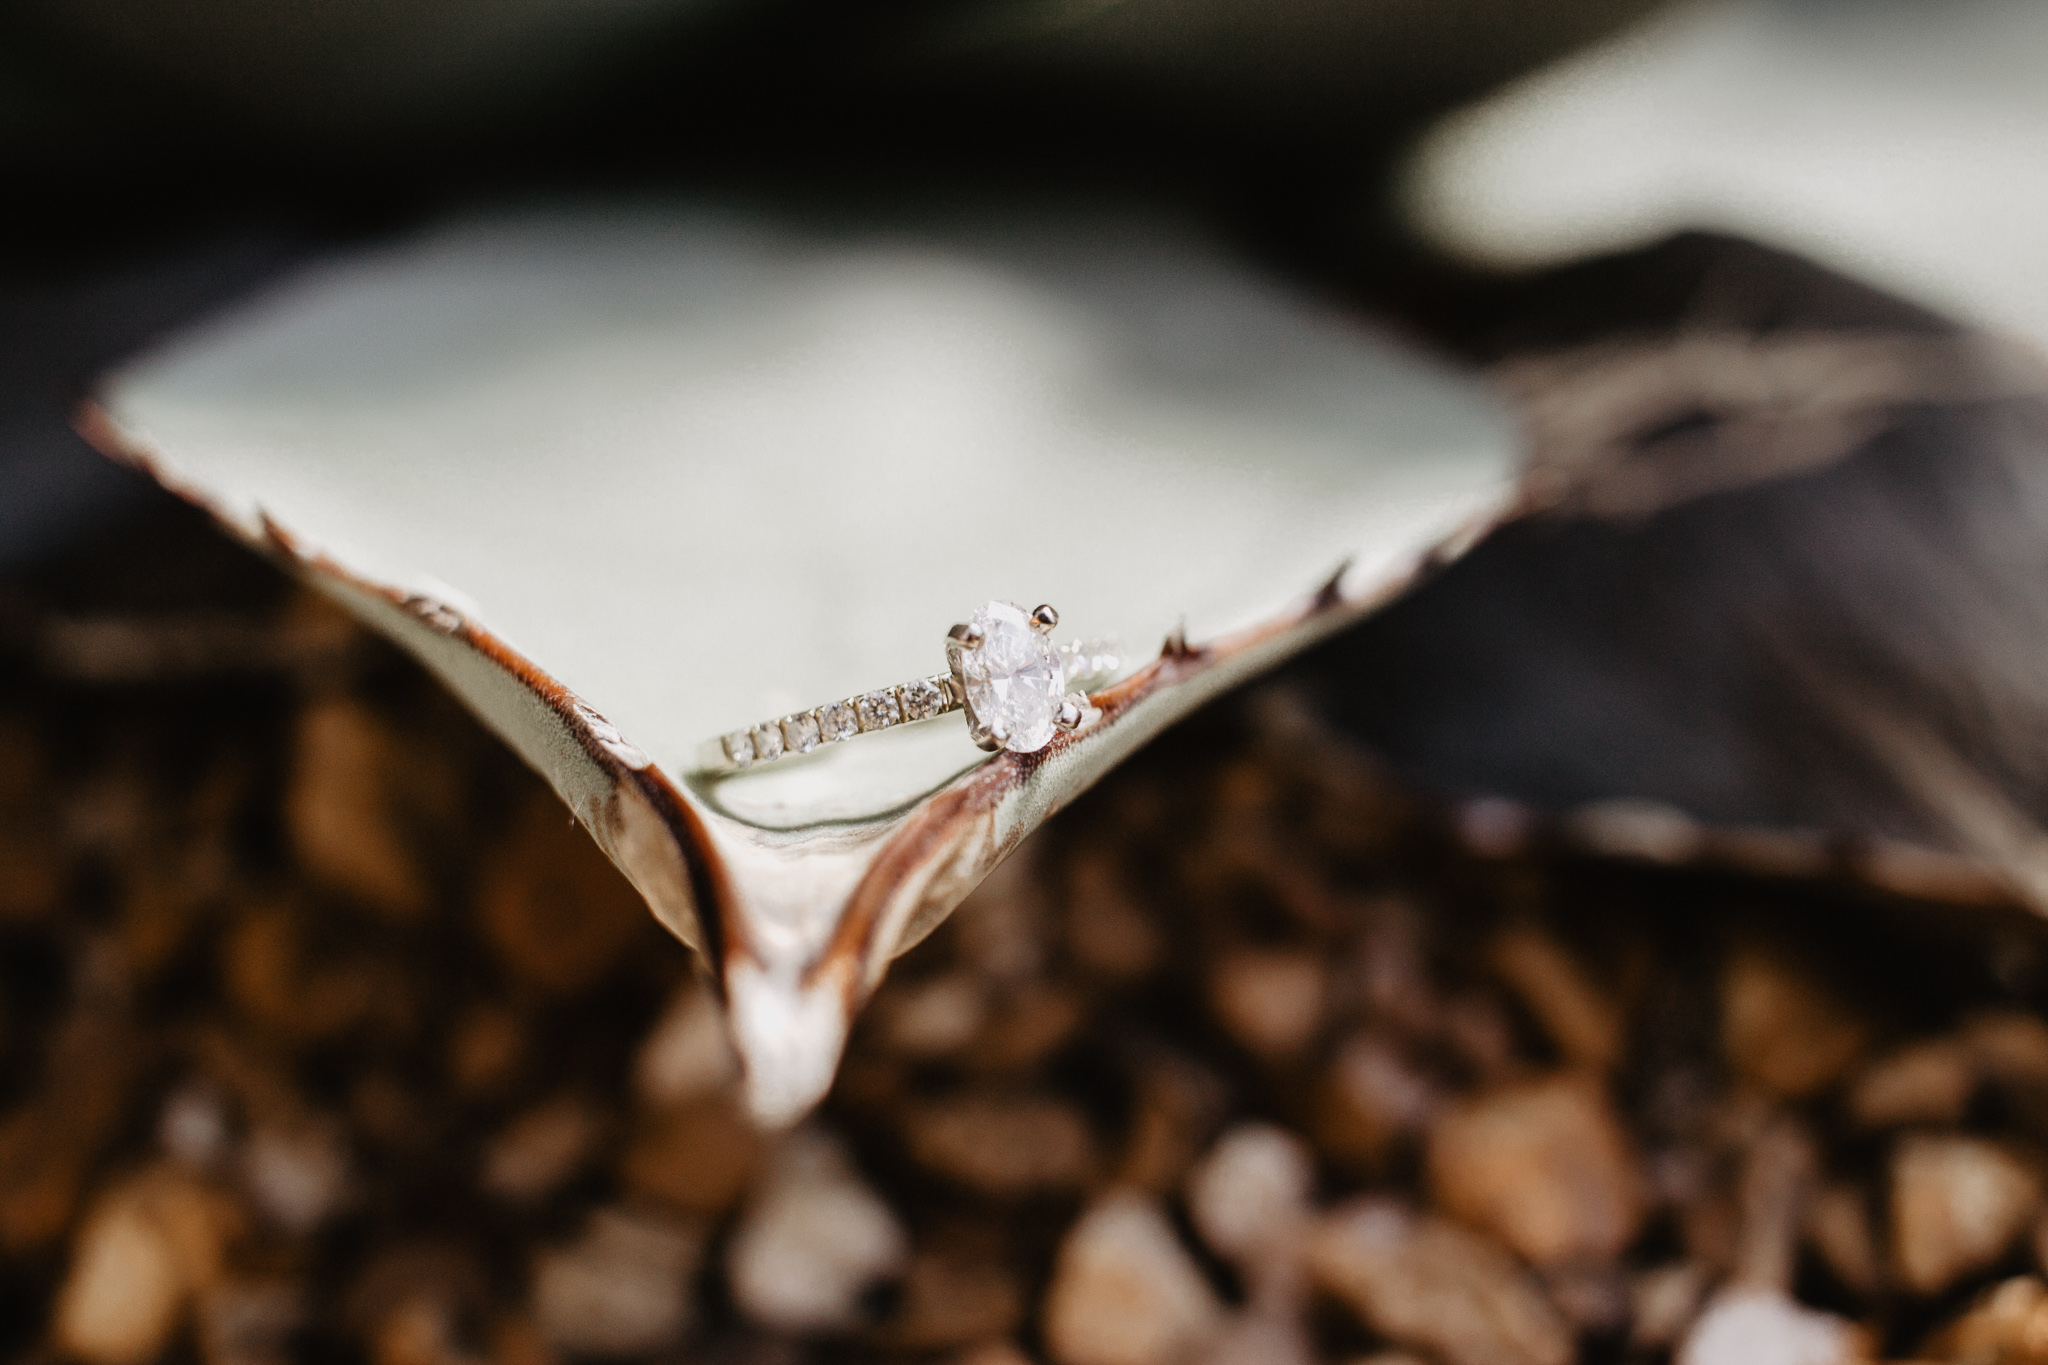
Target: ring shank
(1089,664)
(907,703)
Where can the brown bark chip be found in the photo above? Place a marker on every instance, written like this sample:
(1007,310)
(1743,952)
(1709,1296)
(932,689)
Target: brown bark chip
(541,1149)
(2006,1325)
(935,1018)
(554,909)
(249,1322)
(1928,1083)
(1004,1146)
(1124,1290)
(992,1353)
(1389,968)
(2010,1046)
(1177,1106)
(147,1248)
(1255,1338)
(1372,1100)
(484,1049)
(812,1240)
(296,1173)
(696,1158)
(1271,1002)
(621,1286)
(1433,1285)
(1957,1205)
(124,1292)
(1479,1030)
(343,809)
(1781,1027)
(1593,1296)
(1249,1197)
(1581,1020)
(951,1299)
(49,1140)
(1030,1023)
(1543,1165)
(1108,931)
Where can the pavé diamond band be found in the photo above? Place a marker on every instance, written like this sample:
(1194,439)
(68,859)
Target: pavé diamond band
(1003,669)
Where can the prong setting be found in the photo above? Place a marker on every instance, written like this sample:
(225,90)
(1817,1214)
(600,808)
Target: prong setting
(837,720)
(800,733)
(878,710)
(1017,688)
(922,699)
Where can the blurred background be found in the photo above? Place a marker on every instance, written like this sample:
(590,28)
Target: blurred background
(1641,918)
(174,153)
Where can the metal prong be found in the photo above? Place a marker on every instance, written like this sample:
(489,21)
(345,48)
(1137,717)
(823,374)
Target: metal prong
(1073,710)
(1044,617)
(967,635)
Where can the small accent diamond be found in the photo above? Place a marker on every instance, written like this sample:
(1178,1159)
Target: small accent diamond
(800,733)
(767,742)
(739,747)
(879,711)
(837,721)
(921,700)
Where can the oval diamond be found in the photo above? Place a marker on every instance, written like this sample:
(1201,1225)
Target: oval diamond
(1013,681)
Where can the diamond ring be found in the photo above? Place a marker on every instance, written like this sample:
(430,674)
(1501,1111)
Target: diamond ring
(1003,669)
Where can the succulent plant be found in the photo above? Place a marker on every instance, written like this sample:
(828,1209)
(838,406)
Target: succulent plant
(631,475)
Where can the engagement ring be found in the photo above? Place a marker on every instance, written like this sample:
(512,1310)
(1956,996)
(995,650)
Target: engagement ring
(1002,668)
